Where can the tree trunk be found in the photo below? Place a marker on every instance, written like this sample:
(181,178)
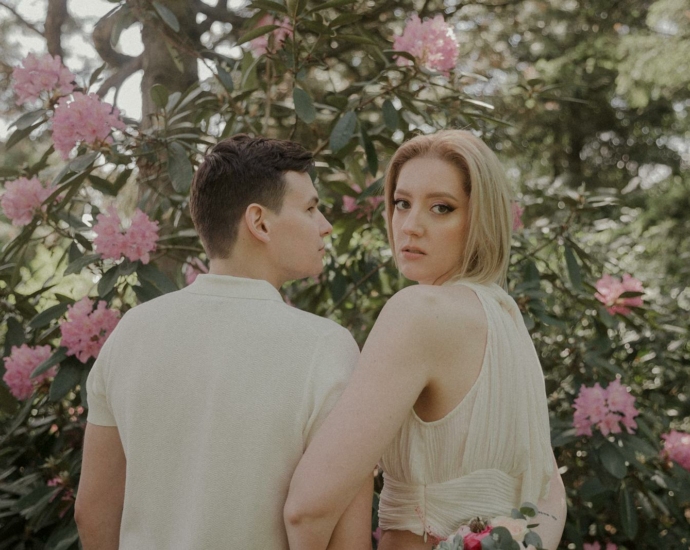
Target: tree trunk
(55,18)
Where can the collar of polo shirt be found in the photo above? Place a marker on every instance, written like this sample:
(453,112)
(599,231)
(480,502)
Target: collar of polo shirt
(234,287)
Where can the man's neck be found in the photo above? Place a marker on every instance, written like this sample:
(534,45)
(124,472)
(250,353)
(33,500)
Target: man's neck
(246,270)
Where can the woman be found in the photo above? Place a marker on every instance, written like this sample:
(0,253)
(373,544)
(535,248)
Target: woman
(449,393)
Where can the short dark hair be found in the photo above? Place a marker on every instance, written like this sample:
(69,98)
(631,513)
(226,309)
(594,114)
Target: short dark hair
(235,173)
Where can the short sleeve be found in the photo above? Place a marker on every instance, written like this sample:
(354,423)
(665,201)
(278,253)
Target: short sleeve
(100,412)
(334,361)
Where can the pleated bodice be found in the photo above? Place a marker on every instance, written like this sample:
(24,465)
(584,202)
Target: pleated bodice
(489,454)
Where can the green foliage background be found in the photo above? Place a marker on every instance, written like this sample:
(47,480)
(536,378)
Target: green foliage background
(592,129)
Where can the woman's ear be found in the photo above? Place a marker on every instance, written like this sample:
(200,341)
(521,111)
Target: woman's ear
(256,220)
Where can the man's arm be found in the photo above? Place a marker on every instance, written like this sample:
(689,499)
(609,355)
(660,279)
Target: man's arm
(353,531)
(101,493)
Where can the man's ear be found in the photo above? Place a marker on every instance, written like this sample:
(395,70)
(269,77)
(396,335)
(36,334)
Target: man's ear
(256,220)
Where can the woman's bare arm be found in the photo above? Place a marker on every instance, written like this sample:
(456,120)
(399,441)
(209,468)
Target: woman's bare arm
(552,511)
(393,370)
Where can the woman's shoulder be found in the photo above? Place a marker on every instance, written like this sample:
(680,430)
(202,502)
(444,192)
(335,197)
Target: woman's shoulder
(437,308)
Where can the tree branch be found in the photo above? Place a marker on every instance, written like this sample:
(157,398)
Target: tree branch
(21,19)
(55,18)
(116,79)
(101,41)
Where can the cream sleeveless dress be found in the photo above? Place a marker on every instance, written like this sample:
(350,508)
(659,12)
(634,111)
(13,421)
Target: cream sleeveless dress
(488,455)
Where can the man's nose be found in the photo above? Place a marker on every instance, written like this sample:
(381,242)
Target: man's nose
(326,227)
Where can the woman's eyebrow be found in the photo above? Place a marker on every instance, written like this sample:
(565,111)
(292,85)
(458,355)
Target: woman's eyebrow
(433,195)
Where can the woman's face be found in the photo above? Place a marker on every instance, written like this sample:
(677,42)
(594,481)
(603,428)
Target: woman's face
(430,220)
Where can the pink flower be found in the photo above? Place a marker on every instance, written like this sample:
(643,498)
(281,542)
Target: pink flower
(22,199)
(473,541)
(84,118)
(605,409)
(677,448)
(260,45)
(610,289)
(134,243)
(517,216)
(192,268)
(367,208)
(20,364)
(377,534)
(593,546)
(432,42)
(86,330)
(41,74)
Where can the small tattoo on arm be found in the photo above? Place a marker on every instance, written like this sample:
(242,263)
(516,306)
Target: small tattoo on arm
(548,515)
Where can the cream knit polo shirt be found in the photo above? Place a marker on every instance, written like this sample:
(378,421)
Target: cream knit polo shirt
(216,390)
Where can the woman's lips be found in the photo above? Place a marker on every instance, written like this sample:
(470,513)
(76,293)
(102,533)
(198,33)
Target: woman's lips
(410,253)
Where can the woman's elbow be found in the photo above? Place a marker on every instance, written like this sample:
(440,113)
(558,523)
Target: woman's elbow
(300,510)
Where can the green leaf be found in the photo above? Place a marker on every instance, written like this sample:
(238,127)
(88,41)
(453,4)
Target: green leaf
(370,152)
(145,291)
(528,509)
(332,4)
(225,78)
(8,403)
(27,119)
(176,57)
(592,488)
(58,357)
(179,168)
(534,539)
(255,33)
(304,106)
(81,163)
(159,94)
(612,460)
(45,317)
(108,280)
(573,268)
(35,500)
(14,336)
(151,274)
(356,39)
(343,131)
(67,377)
(19,135)
(400,53)
(628,512)
(268,5)
(167,16)
(77,265)
(390,115)
(345,19)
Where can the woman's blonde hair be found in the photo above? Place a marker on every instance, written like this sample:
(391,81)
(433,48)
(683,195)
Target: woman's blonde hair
(487,249)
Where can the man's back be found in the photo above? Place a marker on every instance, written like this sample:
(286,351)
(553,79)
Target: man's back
(216,391)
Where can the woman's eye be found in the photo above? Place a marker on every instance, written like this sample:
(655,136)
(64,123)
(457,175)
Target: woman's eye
(401,204)
(441,209)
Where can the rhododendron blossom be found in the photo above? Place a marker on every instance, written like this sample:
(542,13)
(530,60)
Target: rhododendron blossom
(517,212)
(605,409)
(83,118)
(609,290)
(41,74)
(86,330)
(134,243)
(432,43)
(677,448)
(367,208)
(192,269)
(22,199)
(19,365)
(260,45)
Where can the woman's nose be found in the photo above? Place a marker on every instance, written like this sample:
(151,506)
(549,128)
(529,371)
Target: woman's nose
(412,224)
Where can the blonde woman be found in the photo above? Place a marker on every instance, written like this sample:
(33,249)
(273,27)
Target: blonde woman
(448,394)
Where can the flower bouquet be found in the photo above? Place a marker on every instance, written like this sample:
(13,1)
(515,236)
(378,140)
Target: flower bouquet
(499,533)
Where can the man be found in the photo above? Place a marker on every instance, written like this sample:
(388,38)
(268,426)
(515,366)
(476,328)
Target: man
(202,401)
